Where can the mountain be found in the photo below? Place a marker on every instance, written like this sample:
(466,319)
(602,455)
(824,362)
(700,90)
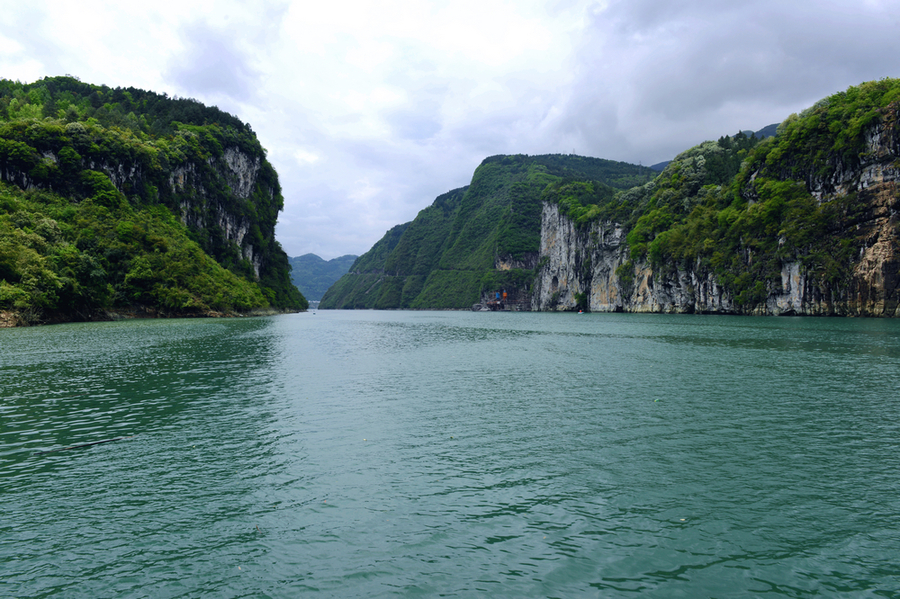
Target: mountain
(807,224)
(802,222)
(474,239)
(124,200)
(313,276)
(767,131)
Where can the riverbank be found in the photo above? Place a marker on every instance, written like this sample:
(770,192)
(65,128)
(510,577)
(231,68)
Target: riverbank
(11,319)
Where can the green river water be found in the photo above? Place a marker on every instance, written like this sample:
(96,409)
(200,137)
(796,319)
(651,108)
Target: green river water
(452,454)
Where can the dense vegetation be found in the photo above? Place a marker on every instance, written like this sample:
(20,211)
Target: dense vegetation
(109,158)
(448,256)
(61,260)
(138,111)
(313,276)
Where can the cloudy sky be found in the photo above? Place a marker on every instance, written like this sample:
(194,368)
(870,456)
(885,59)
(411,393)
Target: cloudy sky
(370,109)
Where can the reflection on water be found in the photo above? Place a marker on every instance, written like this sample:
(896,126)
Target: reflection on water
(416,453)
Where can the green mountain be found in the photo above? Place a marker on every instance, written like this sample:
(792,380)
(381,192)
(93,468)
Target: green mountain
(313,276)
(474,239)
(124,200)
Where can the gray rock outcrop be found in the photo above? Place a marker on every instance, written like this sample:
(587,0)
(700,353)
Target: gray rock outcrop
(592,264)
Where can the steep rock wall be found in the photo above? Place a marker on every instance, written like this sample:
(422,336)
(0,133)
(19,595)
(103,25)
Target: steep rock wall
(595,262)
(188,184)
(239,171)
(564,254)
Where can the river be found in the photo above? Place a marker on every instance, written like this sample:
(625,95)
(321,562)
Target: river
(454,454)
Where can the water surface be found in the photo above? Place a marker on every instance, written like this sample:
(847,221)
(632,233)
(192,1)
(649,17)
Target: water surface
(452,454)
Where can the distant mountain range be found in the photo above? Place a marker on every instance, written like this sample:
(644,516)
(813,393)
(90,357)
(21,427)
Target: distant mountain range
(313,275)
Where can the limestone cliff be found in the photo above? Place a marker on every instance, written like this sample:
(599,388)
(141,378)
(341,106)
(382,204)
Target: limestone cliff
(239,172)
(597,265)
(594,263)
(207,193)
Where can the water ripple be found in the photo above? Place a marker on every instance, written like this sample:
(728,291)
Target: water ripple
(454,454)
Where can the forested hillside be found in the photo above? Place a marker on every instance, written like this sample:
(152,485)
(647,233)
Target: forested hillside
(473,239)
(124,199)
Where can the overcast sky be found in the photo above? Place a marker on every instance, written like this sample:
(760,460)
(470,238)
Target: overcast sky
(371,109)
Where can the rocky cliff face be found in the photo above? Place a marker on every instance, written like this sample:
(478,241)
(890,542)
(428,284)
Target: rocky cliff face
(188,185)
(594,262)
(239,171)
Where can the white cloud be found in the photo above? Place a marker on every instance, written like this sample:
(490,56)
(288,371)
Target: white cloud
(305,157)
